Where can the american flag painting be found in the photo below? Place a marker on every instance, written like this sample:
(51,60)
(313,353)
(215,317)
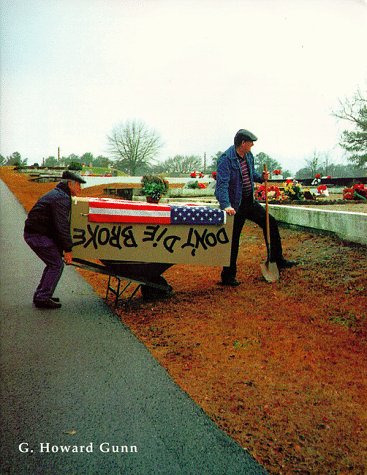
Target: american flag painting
(107,210)
(196,215)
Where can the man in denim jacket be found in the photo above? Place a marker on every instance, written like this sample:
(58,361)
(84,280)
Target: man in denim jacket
(235,192)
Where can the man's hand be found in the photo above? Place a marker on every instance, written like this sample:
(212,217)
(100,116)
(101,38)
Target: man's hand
(231,211)
(68,257)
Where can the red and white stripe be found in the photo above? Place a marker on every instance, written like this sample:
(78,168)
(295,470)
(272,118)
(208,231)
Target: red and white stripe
(106,210)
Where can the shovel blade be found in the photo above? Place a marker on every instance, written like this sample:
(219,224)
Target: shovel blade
(270,271)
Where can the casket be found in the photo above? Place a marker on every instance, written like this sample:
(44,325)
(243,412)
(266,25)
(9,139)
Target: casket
(132,231)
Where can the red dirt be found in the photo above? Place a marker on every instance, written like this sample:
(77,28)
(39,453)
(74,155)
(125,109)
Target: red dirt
(280,367)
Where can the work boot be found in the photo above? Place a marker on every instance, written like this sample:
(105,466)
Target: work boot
(286,264)
(230,282)
(49,303)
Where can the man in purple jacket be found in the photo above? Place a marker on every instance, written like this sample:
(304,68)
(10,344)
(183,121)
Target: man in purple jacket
(47,232)
(235,192)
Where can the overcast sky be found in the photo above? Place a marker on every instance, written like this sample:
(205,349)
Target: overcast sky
(193,70)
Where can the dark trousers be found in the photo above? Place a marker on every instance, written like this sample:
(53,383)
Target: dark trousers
(50,254)
(253,211)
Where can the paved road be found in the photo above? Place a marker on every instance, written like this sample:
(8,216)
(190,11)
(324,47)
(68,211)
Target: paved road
(78,377)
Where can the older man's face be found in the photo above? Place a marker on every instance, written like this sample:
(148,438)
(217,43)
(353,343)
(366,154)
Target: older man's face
(244,148)
(247,146)
(74,187)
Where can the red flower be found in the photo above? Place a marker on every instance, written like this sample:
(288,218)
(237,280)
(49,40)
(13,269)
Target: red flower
(277,172)
(273,190)
(201,175)
(202,185)
(359,191)
(288,181)
(321,188)
(214,175)
(348,193)
(358,186)
(317,175)
(193,174)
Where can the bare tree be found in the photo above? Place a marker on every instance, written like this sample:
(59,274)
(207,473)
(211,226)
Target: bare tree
(182,164)
(313,164)
(349,109)
(133,145)
(354,141)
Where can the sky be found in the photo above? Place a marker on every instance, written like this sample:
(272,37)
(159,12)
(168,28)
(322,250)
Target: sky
(194,71)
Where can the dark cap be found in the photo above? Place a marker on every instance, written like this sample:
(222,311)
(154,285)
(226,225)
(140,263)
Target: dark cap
(247,135)
(68,175)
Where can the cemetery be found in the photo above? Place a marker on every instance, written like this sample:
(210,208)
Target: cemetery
(280,373)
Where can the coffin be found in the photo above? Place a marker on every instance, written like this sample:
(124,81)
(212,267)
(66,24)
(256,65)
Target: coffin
(118,230)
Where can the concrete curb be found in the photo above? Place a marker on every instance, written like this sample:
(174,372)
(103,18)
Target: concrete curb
(347,225)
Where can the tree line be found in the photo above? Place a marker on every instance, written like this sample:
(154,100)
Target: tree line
(133,148)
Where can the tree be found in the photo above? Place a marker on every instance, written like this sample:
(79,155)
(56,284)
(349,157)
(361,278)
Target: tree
(15,159)
(262,158)
(313,164)
(101,161)
(87,158)
(214,164)
(50,162)
(182,164)
(72,158)
(133,145)
(354,141)
(334,170)
(2,160)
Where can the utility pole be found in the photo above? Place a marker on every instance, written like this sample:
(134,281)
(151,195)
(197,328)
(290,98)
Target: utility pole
(204,162)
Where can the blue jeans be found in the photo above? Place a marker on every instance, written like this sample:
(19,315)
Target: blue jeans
(50,254)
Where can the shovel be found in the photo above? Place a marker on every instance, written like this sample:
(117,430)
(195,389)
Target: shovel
(269,269)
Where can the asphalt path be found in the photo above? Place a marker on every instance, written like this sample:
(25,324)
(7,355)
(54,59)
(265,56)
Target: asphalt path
(77,379)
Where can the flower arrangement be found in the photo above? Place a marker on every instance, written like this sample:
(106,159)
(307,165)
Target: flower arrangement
(196,174)
(356,192)
(277,172)
(274,193)
(196,185)
(293,190)
(154,187)
(322,190)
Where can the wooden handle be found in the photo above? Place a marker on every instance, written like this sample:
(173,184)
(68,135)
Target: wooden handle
(267,210)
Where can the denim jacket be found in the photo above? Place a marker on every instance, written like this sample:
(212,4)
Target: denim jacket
(228,190)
